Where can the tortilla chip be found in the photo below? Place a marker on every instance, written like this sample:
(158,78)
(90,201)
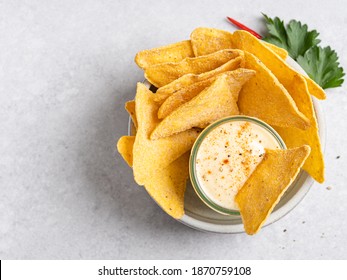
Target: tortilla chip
(215,102)
(245,41)
(266,185)
(209,40)
(125,146)
(130,107)
(168,185)
(182,96)
(314,164)
(282,53)
(150,156)
(265,98)
(189,79)
(239,77)
(164,73)
(170,53)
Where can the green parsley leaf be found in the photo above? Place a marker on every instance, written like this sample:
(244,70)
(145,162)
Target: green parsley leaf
(322,66)
(277,32)
(295,37)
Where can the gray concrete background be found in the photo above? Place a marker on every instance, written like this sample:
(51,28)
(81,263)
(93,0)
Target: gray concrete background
(66,69)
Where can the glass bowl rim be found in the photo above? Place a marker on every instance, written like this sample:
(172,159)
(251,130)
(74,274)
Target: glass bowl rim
(194,151)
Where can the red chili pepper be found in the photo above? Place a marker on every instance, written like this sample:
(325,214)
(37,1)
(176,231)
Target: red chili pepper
(243,27)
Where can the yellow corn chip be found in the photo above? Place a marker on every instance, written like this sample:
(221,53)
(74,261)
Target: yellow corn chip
(167,186)
(265,98)
(238,77)
(182,96)
(189,79)
(245,41)
(130,107)
(282,53)
(125,148)
(215,102)
(162,74)
(209,40)
(266,185)
(170,53)
(149,156)
(314,164)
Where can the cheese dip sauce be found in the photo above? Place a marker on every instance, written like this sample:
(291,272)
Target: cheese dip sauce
(225,155)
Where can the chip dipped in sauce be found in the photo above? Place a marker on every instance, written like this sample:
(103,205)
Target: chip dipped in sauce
(225,155)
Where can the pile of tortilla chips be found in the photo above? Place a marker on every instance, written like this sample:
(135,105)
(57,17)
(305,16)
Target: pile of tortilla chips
(213,75)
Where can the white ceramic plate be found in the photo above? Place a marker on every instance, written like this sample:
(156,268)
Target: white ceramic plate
(200,217)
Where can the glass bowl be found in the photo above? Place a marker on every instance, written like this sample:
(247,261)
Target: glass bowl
(195,149)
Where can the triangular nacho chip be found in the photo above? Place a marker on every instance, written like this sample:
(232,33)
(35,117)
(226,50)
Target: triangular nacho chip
(266,185)
(125,146)
(209,40)
(293,137)
(215,102)
(245,41)
(238,77)
(167,186)
(190,79)
(182,96)
(265,98)
(162,74)
(149,156)
(170,53)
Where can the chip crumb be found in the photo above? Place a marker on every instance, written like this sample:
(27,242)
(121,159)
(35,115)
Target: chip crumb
(329,188)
